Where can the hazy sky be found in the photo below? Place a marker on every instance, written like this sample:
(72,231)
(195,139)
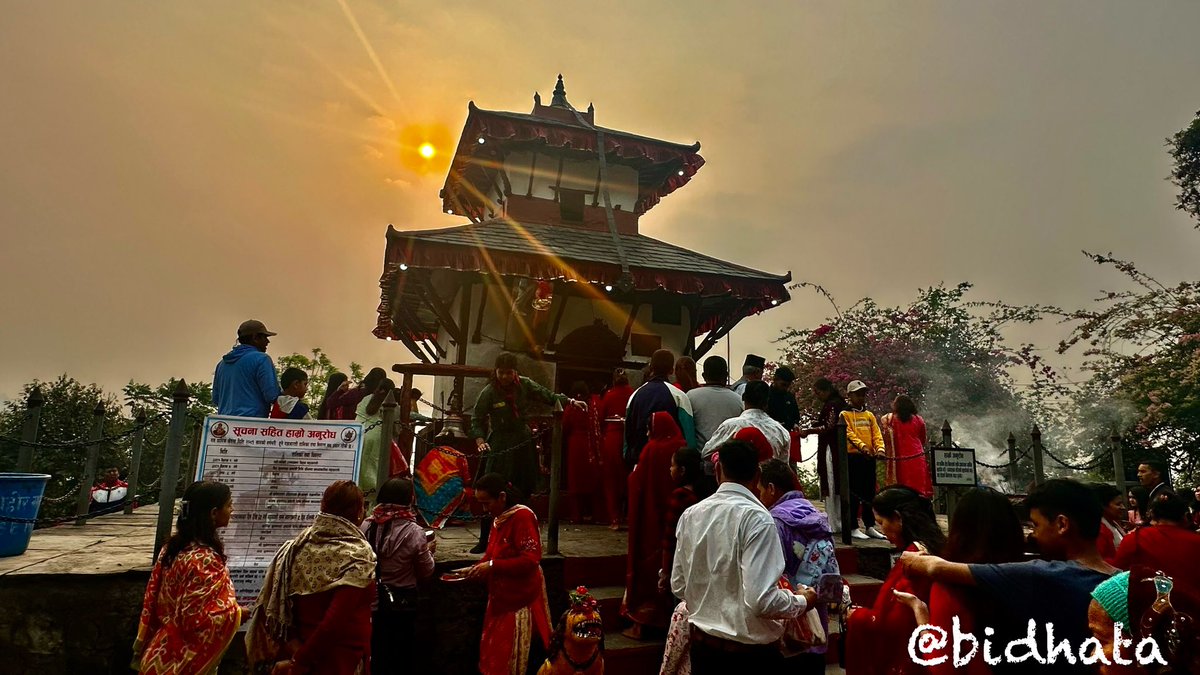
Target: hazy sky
(170,169)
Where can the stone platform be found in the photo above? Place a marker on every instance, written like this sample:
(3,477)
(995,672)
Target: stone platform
(71,602)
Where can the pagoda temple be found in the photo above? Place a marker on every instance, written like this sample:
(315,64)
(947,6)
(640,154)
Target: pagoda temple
(552,265)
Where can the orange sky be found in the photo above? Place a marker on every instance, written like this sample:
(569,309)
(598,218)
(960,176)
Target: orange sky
(169,169)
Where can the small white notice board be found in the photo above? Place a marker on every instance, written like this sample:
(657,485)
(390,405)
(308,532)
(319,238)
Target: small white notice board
(954,467)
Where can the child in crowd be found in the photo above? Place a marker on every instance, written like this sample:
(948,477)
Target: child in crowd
(864,441)
(290,405)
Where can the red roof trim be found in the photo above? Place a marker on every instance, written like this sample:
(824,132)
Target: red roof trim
(758,294)
(622,147)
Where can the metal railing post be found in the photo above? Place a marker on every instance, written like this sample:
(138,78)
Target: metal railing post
(1039,470)
(843,481)
(383,463)
(1118,457)
(135,466)
(1012,462)
(29,432)
(170,470)
(555,479)
(951,492)
(84,500)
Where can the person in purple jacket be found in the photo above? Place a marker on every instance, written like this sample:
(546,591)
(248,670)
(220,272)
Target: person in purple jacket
(405,556)
(245,383)
(808,552)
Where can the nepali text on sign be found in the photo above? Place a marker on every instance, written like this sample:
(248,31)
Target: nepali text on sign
(277,471)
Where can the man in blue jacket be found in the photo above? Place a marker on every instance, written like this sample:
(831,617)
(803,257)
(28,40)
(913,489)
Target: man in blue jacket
(245,383)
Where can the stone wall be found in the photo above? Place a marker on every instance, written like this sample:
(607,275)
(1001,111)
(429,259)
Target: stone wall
(69,623)
(58,624)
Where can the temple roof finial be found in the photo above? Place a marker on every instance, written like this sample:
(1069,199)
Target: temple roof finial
(560,95)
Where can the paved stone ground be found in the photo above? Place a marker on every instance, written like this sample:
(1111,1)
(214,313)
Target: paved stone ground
(116,544)
(113,544)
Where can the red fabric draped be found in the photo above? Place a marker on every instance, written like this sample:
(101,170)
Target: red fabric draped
(612,461)
(650,488)
(876,636)
(581,454)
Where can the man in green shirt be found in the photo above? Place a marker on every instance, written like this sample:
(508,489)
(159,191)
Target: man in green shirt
(502,433)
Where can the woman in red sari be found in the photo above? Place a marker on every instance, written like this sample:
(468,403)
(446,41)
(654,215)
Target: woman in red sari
(581,454)
(614,471)
(517,605)
(650,488)
(877,637)
(904,443)
(190,612)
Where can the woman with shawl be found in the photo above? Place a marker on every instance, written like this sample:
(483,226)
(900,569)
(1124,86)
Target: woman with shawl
(314,612)
(614,471)
(517,605)
(190,612)
(650,489)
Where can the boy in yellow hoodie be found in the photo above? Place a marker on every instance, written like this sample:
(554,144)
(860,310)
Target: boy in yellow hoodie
(864,442)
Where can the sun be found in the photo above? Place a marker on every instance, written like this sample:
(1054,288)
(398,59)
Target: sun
(427,150)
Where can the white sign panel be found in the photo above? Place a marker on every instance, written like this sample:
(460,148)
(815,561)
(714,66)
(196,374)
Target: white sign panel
(954,466)
(277,471)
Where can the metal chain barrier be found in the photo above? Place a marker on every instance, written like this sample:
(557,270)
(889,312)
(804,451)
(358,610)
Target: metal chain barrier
(1099,461)
(76,444)
(1023,455)
(55,501)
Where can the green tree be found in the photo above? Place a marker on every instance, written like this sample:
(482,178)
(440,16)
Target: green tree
(157,402)
(948,354)
(1142,346)
(66,416)
(1185,151)
(319,367)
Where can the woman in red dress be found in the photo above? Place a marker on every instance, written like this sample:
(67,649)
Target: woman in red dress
(904,442)
(190,612)
(877,637)
(581,454)
(650,488)
(985,530)
(517,606)
(614,471)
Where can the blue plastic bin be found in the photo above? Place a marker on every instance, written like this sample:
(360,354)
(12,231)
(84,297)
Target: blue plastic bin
(20,498)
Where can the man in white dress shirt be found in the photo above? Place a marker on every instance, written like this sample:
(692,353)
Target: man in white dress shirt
(728,561)
(755,400)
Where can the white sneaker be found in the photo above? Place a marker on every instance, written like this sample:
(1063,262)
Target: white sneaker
(876,534)
(859,534)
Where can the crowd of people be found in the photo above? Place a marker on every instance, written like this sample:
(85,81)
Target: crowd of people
(245,385)
(727,557)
